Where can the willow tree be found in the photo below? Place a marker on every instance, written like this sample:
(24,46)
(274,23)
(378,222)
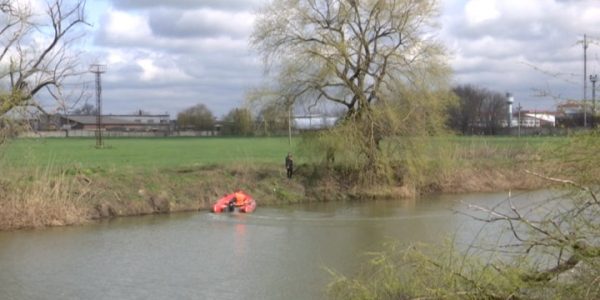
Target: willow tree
(35,50)
(197,117)
(356,54)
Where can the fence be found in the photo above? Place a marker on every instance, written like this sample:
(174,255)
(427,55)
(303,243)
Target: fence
(109,134)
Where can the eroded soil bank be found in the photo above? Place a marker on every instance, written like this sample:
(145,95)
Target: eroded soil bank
(74,196)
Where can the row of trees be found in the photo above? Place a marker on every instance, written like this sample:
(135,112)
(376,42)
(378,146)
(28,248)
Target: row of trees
(238,121)
(477,111)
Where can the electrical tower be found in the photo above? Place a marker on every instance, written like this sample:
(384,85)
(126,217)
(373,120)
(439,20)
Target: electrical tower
(98,70)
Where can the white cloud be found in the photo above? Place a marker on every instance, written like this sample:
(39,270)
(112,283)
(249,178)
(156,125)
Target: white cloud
(150,71)
(161,72)
(238,24)
(479,11)
(115,57)
(201,23)
(591,16)
(121,25)
(155,73)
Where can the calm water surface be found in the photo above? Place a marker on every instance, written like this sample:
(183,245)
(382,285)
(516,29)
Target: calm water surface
(274,253)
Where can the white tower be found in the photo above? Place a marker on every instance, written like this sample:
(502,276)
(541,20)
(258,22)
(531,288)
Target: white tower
(510,100)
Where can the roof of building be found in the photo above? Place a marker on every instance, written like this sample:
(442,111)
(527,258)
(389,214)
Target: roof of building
(117,119)
(542,116)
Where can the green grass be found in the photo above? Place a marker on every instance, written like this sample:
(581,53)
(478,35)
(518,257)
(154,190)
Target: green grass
(149,153)
(506,141)
(144,152)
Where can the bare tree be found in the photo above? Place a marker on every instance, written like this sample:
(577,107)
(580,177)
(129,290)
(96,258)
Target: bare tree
(36,53)
(86,109)
(350,53)
(478,110)
(553,236)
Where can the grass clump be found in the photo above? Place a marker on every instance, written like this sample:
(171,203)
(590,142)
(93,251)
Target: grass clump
(43,198)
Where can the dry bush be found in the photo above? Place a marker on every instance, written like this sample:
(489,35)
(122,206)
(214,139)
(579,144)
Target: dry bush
(42,199)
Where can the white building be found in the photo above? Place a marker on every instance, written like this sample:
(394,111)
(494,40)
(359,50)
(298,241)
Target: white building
(313,122)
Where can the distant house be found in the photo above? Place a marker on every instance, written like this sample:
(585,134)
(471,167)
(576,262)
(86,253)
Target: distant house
(117,122)
(572,113)
(535,119)
(570,108)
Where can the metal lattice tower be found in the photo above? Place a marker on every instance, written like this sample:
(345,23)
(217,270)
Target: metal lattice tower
(98,70)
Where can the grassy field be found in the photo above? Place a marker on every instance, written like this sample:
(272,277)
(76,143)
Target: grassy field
(144,152)
(506,141)
(502,149)
(149,153)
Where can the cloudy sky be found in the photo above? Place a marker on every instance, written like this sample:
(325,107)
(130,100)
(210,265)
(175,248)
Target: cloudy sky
(164,56)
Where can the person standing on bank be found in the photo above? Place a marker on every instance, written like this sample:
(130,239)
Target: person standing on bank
(289,165)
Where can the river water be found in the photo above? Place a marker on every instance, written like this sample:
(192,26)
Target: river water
(273,253)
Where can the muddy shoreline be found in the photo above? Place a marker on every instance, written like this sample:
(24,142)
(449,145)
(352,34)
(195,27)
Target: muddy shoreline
(84,198)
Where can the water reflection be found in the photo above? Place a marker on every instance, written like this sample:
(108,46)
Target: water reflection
(240,239)
(274,253)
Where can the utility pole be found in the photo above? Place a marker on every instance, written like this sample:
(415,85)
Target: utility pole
(98,70)
(519,109)
(585,46)
(290,125)
(593,79)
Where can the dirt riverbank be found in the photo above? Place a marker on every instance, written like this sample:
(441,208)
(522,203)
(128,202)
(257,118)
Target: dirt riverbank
(72,197)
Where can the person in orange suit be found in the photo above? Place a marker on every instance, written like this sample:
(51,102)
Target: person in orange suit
(240,198)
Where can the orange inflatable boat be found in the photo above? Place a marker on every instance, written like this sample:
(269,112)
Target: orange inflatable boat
(240,200)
